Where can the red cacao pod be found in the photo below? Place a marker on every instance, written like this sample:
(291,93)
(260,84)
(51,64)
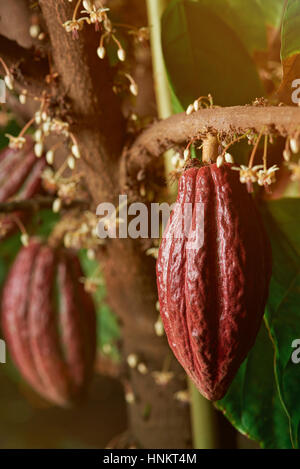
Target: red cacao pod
(212,295)
(49,322)
(20,179)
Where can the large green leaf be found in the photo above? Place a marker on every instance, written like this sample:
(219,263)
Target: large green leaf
(276,397)
(204,55)
(290,49)
(283,313)
(252,403)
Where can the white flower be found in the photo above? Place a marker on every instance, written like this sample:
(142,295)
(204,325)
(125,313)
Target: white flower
(56,205)
(38,149)
(132,360)
(50,157)
(248,175)
(267,177)
(220,161)
(134,89)
(294,144)
(96,15)
(186,154)
(71,162)
(121,54)
(101,52)
(75,150)
(9,81)
(162,378)
(15,143)
(25,239)
(229,158)
(73,26)
(189,109)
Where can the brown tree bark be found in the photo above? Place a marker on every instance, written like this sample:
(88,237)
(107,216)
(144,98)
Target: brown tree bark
(157,419)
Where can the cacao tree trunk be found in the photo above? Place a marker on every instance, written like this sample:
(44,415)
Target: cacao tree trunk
(157,419)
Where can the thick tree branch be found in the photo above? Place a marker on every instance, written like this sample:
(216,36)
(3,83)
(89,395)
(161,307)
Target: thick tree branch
(29,70)
(180,128)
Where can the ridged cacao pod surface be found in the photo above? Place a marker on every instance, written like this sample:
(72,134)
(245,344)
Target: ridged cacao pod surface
(49,322)
(213,293)
(20,179)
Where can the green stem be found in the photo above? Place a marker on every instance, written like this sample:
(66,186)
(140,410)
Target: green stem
(155,9)
(203,416)
(202,412)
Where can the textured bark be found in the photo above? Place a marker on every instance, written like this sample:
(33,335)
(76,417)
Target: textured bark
(157,420)
(180,129)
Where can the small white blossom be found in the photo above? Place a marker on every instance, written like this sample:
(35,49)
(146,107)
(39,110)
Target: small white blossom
(294,144)
(75,150)
(121,55)
(142,368)
(220,161)
(15,143)
(287,154)
(248,175)
(101,52)
(50,157)
(132,360)
(9,81)
(229,158)
(25,239)
(34,30)
(71,162)
(56,205)
(189,109)
(38,135)
(186,154)
(38,149)
(134,89)
(267,177)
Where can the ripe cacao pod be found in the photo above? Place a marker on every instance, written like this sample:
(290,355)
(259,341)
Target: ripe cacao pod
(212,294)
(20,179)
(49,322)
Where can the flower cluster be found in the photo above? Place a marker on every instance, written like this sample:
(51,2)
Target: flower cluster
(256,174)
(94,13)
(84,235)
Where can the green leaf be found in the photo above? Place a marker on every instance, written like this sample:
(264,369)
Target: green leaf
(290,50)
(252,403)
(283,314)
(108,328)
(272,11)
(204,55)
(290,30)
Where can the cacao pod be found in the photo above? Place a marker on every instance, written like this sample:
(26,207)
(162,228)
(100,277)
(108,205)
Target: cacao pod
(20,179)
(212,295)
(49,322)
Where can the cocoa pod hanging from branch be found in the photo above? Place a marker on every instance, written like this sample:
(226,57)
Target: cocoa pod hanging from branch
(213,277)
(49,322)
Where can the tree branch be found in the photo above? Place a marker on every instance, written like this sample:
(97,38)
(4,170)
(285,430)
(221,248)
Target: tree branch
(180,128)
(34,204)
(29,71)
